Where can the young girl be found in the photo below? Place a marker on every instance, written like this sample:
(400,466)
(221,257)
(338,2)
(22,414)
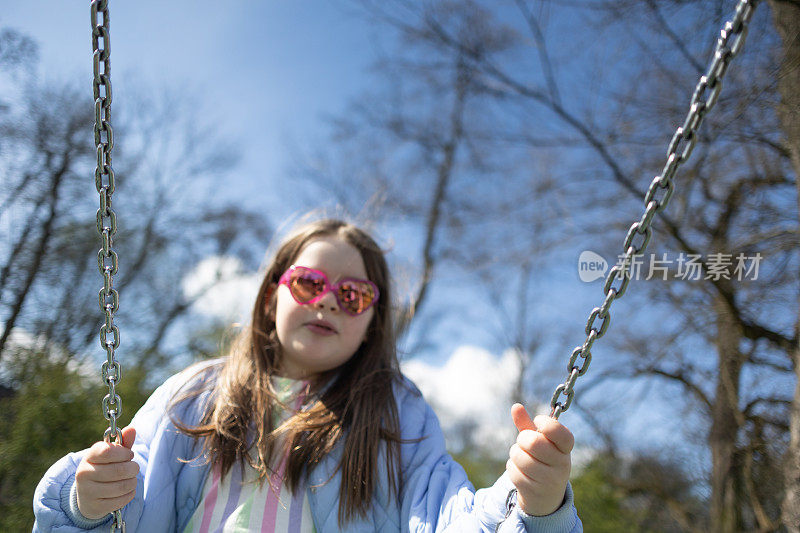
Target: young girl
(307,425)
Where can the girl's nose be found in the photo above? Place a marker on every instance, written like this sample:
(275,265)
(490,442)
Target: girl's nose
(328,301)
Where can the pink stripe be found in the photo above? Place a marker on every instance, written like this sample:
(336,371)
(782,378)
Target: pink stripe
(210,501)
(273,497)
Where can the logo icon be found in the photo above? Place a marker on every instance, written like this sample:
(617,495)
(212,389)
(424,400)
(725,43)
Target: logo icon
(591,266)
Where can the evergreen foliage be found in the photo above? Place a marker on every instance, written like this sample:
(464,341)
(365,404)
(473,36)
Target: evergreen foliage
(51,409)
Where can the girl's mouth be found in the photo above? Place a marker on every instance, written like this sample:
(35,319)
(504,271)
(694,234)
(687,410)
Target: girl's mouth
(321,327)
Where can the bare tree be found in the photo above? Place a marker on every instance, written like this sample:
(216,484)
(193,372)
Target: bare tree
(167,162)
(607,114)
(786,16)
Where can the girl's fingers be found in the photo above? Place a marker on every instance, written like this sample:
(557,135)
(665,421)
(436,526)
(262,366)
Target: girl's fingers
(107,472)
(533,469)
(555,432)
(106,478)
(119,502)
(539,461)
(540,448)
(128,437)
(521,417)
(98,508)
(524,459)
(99,491)
(524,484)
(538,473)
(112,504)
(102,452)
(551,428)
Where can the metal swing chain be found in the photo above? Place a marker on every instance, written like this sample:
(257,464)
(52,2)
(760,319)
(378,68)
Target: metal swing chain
(658,195)
(106,222)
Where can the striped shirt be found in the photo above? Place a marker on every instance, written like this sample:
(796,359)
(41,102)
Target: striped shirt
(236,502)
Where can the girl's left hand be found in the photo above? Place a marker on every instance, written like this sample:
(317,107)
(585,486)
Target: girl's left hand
(539,462)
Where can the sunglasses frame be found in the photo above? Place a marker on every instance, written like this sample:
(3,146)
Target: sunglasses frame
(286,278)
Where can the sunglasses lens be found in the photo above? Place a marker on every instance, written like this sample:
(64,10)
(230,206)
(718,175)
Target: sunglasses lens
(306,285)
(356,296)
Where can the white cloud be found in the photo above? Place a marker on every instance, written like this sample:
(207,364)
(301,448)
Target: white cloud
(222,289)
(471,394)
(23,340)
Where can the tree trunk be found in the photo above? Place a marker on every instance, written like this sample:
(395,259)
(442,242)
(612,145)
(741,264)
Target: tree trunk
(726,421)
(786,16)
(38,254)
(444,175)
(790,510)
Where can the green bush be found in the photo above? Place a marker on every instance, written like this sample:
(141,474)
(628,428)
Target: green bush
(51,410)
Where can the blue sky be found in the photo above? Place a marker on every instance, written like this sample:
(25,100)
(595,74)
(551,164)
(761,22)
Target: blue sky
(270,70)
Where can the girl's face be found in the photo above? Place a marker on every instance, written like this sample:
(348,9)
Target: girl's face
(320,336)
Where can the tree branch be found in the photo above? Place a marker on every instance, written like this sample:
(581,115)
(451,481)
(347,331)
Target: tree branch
(444,175)
(544,57)
(681,378)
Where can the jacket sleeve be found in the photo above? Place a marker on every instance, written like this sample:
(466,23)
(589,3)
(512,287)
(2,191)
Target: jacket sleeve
(436,495)
(55,499)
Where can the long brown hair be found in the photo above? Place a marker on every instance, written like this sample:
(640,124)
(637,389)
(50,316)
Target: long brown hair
(353,403)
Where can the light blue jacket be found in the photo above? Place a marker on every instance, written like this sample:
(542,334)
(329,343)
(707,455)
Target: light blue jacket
(435,493)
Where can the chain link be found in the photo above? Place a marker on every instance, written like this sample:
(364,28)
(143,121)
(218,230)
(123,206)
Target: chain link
(680,148)
(106,222)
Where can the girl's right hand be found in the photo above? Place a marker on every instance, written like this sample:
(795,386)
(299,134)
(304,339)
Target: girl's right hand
(106,477)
